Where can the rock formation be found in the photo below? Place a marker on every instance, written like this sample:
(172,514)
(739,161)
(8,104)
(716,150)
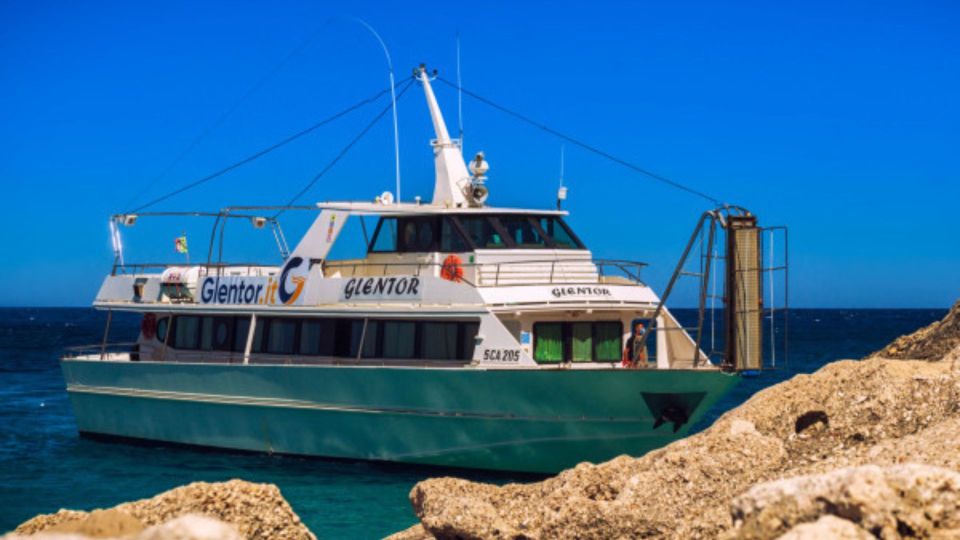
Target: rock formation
(234,509)
(911,501)
(848,414)
(932,342)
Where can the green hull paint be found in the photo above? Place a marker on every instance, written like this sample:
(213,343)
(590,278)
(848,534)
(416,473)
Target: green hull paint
(512,420)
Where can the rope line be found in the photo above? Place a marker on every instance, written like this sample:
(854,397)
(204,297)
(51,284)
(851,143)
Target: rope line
(343,152)
(263,152)
(585,146)
(223,116)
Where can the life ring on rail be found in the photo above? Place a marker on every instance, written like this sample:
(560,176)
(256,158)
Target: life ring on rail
(452,269)
(148,326)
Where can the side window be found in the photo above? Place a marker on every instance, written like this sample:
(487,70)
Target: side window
(587,341)
(440,340)
(317,337)
(607,338)
(581,342)
(162,324)
(240,332)
(370,338)
(385,237)
(186,332)
(281,336)
(399,339)
(468,339)
(450,237)
(548,342)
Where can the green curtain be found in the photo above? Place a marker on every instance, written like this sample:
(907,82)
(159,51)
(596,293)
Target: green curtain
(607,341)
(582,342)
(549,342)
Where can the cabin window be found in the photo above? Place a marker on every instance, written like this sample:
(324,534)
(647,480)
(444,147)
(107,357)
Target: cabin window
(186,332)
(523,232)
(241,330)
(418,234)
(450,237)
(344,338)
(440,340)
(482,233)
(588,341)
(468,339)
(215,333)
(317,337)
(385,237)
(162,324)
(607,340)
(371,337)
(581,342)
(399,339)
(281,336)
(557,230)
(548,342)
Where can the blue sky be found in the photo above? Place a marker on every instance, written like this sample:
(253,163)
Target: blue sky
(839,119)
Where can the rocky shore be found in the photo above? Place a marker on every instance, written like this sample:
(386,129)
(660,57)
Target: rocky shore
(231,510)
(859,449)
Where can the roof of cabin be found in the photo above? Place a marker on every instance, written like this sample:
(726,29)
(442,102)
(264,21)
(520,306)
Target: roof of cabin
(427,209)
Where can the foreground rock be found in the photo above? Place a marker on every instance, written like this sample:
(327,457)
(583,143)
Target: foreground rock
(234,509)
(913,501)
(849,413)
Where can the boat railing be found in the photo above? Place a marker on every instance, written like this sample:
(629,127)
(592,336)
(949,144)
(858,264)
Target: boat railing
(102,351)
(502,273)
(129,351)
(244,268)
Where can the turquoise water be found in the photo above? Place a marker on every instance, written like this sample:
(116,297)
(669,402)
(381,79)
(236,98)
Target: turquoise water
(45,466)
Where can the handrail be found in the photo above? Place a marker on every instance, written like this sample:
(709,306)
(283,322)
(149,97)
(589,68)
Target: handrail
(558,271)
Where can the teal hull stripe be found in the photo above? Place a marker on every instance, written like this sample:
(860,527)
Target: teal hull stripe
(294,404)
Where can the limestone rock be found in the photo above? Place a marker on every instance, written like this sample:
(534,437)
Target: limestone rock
(903,501)
(255,510)
(849,413)
(191,527)
(933,342)
(827,526)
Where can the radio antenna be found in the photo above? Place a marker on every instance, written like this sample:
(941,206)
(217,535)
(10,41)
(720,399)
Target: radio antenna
(459,94)
(562,190)
(393,99)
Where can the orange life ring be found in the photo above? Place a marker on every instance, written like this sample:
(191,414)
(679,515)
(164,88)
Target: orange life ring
(452,269)
(148,326)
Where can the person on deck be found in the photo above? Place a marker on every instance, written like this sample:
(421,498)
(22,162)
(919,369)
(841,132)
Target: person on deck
(634,354)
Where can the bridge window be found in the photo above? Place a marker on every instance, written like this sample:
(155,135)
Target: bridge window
(557,230)
(385,237)
(450,237)
(482,232)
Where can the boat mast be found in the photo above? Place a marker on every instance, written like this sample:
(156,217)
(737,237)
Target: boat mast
(451,171)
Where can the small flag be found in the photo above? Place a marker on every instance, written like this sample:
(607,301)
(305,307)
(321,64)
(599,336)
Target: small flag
(180,243)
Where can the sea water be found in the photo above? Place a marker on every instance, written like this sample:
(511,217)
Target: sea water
(45,466)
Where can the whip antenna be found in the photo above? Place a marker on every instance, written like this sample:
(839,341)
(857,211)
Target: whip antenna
(459,94)
(393,97)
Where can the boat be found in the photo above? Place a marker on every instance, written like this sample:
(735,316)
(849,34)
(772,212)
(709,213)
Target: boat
(468,336)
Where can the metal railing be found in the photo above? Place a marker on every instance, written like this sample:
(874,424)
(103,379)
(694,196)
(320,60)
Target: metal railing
(211,268)
(493,274)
